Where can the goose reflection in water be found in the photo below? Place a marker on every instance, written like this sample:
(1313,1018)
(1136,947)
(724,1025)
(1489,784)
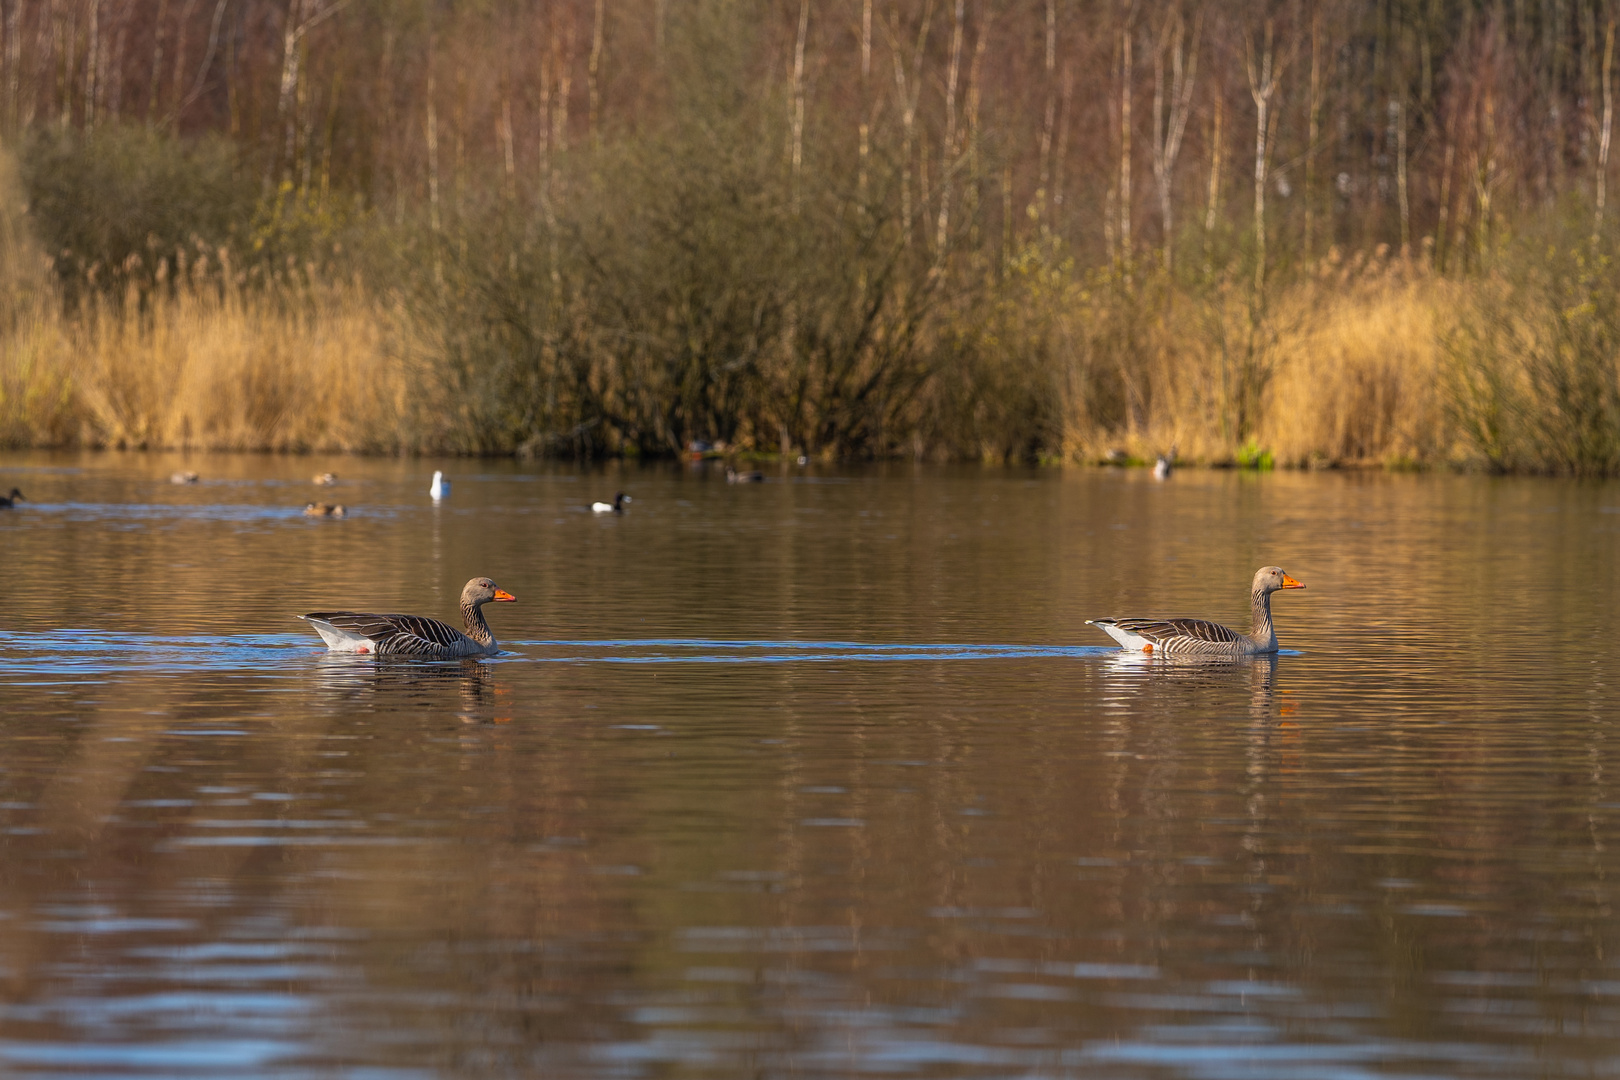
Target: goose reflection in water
(1134,674)
(398,684)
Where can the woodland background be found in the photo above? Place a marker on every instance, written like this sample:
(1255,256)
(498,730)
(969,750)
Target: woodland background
(1342,232)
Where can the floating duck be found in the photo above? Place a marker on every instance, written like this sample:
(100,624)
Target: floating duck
(325,479)
(414,635)
(1163,467)
(614,507)
(8,502)
(323,510)
(735,477)
(1199,637)
(186,477)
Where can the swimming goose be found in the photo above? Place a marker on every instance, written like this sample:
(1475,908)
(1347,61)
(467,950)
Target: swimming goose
(325,479)
(1162,467)
(440,486)
(414,635)
(1199,637)
(186,477)
(614,507)
(7,502)
(735,477)
(323,510)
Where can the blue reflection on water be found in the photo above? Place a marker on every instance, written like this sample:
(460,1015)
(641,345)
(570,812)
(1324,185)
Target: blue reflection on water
(80,652)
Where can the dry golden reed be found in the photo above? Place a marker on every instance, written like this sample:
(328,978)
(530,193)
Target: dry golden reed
(1343,367)
(207,367)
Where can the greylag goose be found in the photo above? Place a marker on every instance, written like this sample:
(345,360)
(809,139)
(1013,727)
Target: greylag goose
(614,507)
(323,510)
(325,479)
(440,486)
(1199,637)
(414,635)
(186,477)
(735,477)
(7,502)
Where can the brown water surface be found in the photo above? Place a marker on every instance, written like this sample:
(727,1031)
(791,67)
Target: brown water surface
(821,777)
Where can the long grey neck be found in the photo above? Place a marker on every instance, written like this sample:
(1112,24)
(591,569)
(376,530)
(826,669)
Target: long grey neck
(1263,634)
(473,615)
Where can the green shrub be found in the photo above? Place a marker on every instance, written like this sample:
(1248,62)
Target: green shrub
(1252,456)
(112,206)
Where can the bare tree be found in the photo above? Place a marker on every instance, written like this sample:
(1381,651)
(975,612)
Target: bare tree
(1605,129)
(1125,79)
(1263,80)
(1170,117)
(907,91)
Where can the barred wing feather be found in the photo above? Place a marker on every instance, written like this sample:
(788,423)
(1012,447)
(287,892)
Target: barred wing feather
(1165,631)
(1193,636)
(398,635)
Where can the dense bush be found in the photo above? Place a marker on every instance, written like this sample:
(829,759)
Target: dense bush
(112,206)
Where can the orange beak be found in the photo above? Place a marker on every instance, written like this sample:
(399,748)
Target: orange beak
(1288,583)
(502,594)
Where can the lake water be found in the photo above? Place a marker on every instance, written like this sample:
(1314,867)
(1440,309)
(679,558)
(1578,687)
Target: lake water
(821,777)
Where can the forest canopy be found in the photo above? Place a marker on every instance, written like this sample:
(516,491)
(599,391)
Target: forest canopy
(1338,232)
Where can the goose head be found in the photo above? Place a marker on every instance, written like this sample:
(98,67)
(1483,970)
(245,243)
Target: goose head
(1270,579)
(480,591)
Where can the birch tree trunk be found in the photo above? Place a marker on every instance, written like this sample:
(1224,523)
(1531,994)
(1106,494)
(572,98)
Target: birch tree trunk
(908,104)
(865,124)
(593,71)
(1051,112)
(1125,78)
(1313,123)
(1605,130)
(947,151)
(1262,87)
(796,151)
(1169,127)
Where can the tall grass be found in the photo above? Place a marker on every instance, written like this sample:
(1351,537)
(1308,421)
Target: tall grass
(207,363)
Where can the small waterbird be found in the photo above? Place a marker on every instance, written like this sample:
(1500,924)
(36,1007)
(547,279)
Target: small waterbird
(1199,637)
(414,635)
(325,479)
(8,502)
(1163,467)
(186,477)
(440,486)
(614,507)
(735,477)
(323,510)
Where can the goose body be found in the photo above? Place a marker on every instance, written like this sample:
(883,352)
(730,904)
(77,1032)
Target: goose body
(8,502)
(1200,637)
(614,507)
(735,477)
(414,635)
(323,510)
(440,486)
